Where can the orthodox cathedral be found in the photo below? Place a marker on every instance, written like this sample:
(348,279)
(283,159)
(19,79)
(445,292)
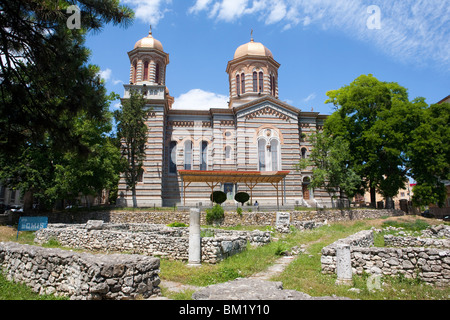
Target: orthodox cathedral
(252,146)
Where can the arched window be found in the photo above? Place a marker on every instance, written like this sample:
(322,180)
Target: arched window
(274,146)
(145,71)
(188,155)
(255,81)
(261,81)
(157,76)
(262,154)
(243,83)
(204,156)
(304,153)
(238,88)
(134,77)
(273,85)
(227,152)
(173,157)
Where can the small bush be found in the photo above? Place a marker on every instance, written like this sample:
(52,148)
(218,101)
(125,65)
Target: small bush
(177,224)
(215,214)
(239,211)
(241,197)
(218,197)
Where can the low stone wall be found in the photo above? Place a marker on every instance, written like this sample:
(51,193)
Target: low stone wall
(393,241)
(431,265)
(80,276)
(149,239)
(231,218)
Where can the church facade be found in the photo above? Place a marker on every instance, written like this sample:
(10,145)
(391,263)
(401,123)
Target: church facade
(256,133)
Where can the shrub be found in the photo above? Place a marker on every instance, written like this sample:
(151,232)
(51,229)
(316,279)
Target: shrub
(177,224)
(239,211)
(215,214)
(218,197)
(241,197)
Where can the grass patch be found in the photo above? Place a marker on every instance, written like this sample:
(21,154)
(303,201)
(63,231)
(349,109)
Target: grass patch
(417,225)
(17,291)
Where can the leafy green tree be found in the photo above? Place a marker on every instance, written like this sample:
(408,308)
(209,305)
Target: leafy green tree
(47,87)
(360,119)
(329,160)
(46,79)
(391,138)
(428,154)
(99,170)
(132,131)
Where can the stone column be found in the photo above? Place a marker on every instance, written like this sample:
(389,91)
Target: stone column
(343,265)
(195,248)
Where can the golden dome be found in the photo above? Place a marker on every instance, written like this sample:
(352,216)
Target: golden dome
(252,49)
(149,42)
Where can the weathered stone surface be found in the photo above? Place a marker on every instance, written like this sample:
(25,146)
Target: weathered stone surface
(429,262)
(150,239)
(80,275)
(253,289)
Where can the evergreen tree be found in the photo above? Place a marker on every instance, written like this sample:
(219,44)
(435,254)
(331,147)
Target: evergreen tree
(132,131)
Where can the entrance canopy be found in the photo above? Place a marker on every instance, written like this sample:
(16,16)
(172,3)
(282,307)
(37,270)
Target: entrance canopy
(214,178)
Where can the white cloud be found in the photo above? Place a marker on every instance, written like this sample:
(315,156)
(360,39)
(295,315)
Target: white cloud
(198,99)
(199,5)
(414,31)
(149,11)
(105,74)
(310,97)
(277,12)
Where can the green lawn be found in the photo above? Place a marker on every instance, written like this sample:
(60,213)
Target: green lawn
(303,274)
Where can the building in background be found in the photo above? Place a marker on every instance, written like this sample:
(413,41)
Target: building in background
(257,132)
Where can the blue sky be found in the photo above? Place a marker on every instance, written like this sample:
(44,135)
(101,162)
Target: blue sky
(321,45)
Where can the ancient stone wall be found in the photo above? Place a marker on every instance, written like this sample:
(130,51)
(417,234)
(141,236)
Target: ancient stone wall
(430,264)
(80,276)
(148,239)
(231,217)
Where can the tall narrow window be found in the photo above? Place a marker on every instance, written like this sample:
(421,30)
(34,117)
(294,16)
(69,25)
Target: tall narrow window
(262,154)
(134,78)
(238,82)
(173,157)
(157,76)
(303,153)
(188,155)
(261,81)
(243,83)
(274,86)
(255,82)
(274,150)
(145,71)
(271,84)
(227,152)
(204,156)
(140,177)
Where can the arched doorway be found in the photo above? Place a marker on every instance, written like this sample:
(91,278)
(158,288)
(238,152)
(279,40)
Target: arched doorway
(305,188)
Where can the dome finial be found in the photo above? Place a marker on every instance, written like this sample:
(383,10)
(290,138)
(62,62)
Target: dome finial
(251,35)
(150,32)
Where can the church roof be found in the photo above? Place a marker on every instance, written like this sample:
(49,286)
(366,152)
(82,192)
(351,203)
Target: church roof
(149,42)
(252,49)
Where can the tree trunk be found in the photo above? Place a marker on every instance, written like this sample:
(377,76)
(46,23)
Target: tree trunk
(373,197)
(388,203)
(133,193)
(28,201)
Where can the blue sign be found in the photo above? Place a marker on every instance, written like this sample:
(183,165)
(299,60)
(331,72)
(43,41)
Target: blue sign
(32,223)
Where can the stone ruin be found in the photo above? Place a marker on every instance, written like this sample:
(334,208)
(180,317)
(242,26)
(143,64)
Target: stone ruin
(426,258)
(151,239)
